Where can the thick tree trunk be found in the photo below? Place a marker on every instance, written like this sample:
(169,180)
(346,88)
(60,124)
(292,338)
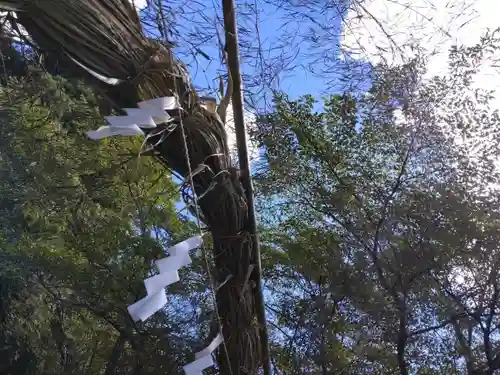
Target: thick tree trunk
(236,306)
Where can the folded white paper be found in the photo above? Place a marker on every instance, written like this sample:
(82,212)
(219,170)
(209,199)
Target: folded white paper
(157,283)
(198,365)
(203,358)
(165,103)
(108,131)
(210,348)
(144,308)
(158,115)
(184,246)
(147,116)
(173,263)
(142,120)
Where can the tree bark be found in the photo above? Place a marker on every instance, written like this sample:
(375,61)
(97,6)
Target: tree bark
(236,307)
(401,346)
(115,355)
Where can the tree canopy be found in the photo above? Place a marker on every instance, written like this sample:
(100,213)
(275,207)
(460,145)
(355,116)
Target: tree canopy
(379,222)
(81,223)
(383,225)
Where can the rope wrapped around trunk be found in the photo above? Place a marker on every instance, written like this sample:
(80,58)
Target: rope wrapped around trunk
(106,37)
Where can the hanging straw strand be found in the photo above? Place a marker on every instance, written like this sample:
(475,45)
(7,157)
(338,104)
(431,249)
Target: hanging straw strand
(213,286)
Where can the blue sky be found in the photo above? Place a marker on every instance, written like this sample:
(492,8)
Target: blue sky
(306,34)
(279,32)
(295,83)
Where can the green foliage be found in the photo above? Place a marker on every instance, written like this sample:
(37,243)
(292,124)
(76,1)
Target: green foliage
(381,231)
(81,223)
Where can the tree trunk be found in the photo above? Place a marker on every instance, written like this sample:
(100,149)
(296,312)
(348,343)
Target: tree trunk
(236,306)
(403,369)
(115,355)
(66,347)
(402,340)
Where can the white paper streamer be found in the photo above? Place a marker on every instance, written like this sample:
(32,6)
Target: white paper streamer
(210,348)
(108,131)
(199,365)
(149,114)
(146,307)
(157,283)
(158,115)
(100,77)
(173,263)
(179,255)
(156,298)
(203,359)
(186,245)
(165,103)
(142,120)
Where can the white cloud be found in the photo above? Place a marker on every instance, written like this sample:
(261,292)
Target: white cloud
(387,31)
(431,25)
(381,30)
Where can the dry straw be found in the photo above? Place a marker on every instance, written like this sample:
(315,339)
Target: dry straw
(106,37)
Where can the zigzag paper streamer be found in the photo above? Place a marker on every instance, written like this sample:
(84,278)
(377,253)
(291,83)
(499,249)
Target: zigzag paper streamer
(155,285)
(179,255)
(146,307)
(142,120)
(203,359)
(149,114)
(156,298)
(165,104)
(210,348)
(159,116)
(197,367)
(173,262)
(186,245)
(108,131)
